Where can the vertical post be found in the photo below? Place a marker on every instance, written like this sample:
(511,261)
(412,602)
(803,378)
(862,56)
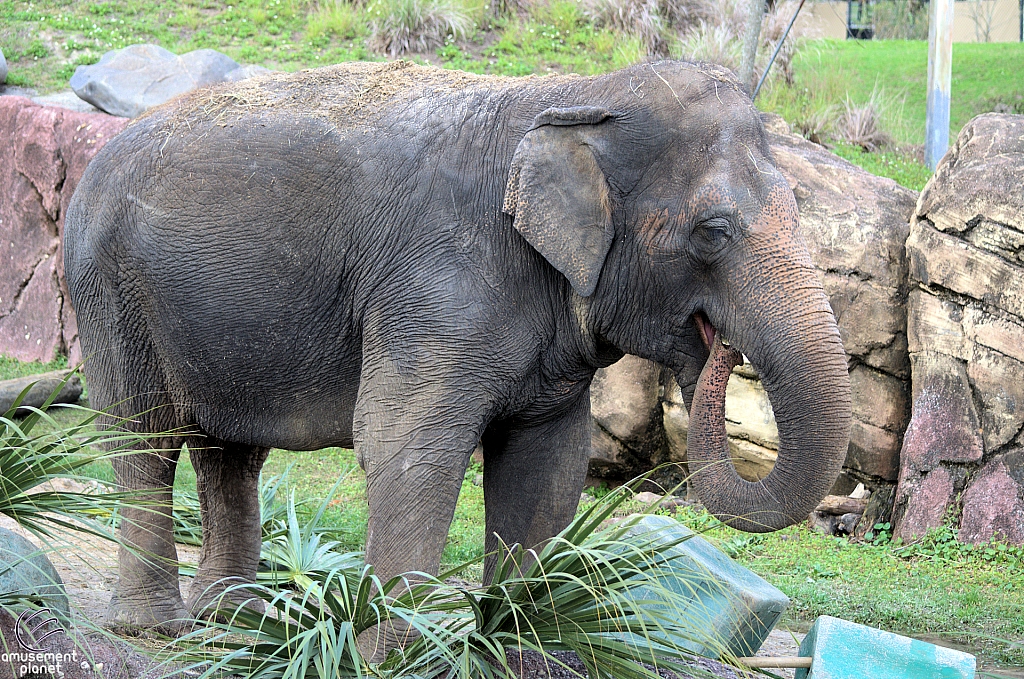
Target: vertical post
(755,8)
(940,72)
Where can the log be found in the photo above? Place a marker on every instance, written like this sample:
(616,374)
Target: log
(838,505)
(44,385)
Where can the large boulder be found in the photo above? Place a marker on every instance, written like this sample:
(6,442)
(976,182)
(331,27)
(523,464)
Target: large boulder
(127,82)
(44,153)
(3,68)
(965,330)
(26,573)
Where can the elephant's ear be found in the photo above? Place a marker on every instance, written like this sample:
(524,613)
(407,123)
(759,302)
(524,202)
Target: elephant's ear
(559,197)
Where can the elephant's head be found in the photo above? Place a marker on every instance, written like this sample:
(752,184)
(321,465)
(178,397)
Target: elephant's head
(656,196)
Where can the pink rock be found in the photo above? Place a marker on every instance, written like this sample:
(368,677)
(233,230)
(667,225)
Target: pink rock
(994,505)
(926,504)
(31,332)
(39,169)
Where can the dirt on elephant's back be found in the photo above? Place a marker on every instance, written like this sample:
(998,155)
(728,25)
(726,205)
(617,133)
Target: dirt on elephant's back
(342,94)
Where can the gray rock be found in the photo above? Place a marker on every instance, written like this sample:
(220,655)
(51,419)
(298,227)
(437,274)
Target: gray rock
(243,72)
(66,99)
(3,68)
(129,81)
(25,571)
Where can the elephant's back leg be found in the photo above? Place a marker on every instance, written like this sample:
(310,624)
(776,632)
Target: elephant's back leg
(125,379)
(227,480)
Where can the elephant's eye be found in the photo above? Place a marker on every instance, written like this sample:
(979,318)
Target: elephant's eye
(711,235)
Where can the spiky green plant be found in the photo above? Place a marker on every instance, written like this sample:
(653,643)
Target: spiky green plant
(295,554)
(593,590)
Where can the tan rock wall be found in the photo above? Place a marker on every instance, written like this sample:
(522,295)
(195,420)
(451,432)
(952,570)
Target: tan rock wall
(962,455)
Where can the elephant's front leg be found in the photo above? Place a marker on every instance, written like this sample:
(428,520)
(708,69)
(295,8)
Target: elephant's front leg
(533,476)
(227,479)
(415,455)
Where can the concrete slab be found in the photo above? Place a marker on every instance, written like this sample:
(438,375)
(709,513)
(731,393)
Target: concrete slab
(845,650)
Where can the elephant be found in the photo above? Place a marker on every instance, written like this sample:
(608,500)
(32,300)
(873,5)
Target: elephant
(411,261)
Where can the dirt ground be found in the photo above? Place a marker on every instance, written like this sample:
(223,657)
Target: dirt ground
(88,567)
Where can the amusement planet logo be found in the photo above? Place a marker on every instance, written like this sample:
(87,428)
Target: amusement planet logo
(32,660)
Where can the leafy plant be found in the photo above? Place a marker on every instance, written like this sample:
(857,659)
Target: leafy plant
(580,592)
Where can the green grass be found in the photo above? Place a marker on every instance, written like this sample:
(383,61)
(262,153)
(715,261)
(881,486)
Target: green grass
(984,74)
(903,168)
(11,368)
(949,593)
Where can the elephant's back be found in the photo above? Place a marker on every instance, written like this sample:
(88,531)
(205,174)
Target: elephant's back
(345,96)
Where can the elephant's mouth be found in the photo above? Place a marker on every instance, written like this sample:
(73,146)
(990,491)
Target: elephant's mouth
(705,329)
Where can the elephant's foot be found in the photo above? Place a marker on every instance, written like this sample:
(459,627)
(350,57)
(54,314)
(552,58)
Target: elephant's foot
(375,643)
(208,595)
(160,616)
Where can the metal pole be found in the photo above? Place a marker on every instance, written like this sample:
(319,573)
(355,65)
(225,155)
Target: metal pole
(940,72)
(777,48)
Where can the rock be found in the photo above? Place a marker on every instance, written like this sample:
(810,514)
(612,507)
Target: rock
(39,170)
(244,72)
(855,225)
(129,81)
(3,68)
(978,177)
(878,511)
(944,428)
(66,99)
(926,499)
(42,386)
(823,523)
(964,328)
(628,436)
(994,502)
(26,572)
(847,523)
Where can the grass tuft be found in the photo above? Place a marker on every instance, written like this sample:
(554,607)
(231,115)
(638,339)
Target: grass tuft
(401,26)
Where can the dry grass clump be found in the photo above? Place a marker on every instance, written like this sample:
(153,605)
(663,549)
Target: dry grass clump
(400,26)
(655,22)
(861,125)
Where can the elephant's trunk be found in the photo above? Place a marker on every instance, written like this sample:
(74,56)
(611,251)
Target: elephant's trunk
(804,371)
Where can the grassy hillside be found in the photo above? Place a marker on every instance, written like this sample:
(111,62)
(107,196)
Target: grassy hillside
(986,77)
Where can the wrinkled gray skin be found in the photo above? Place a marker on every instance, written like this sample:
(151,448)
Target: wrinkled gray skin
(410,269)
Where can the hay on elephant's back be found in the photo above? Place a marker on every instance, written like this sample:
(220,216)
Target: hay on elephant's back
(340,94)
